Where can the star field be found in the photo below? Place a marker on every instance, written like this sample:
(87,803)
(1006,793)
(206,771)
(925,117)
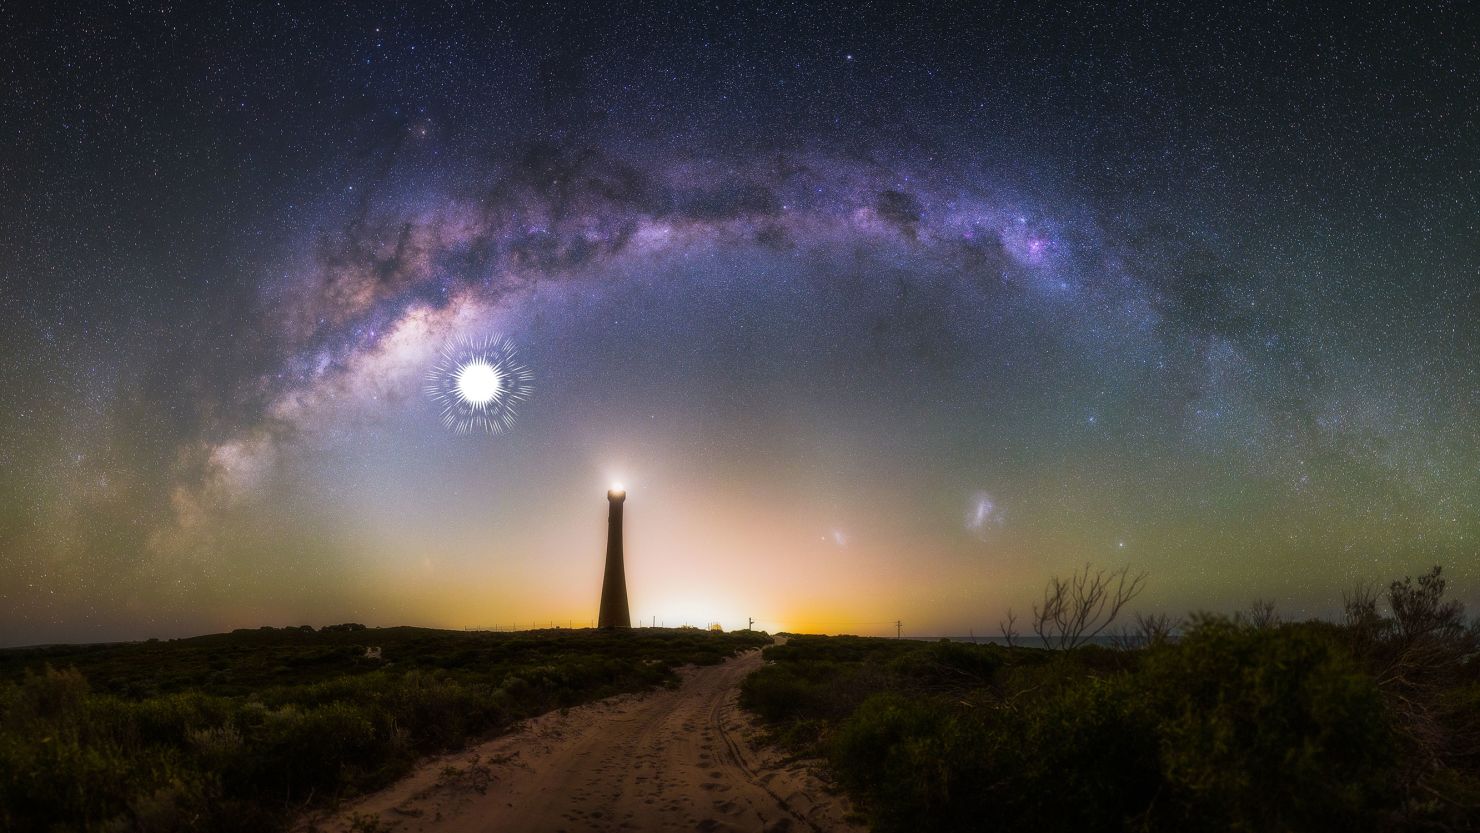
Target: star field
(879,312)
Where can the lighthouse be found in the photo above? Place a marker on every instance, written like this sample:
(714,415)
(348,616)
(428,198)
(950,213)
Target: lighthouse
(614,613)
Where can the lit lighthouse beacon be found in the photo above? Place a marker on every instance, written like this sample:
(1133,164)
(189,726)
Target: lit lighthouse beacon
(614,613)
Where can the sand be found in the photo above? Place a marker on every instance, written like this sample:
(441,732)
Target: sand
(682,759)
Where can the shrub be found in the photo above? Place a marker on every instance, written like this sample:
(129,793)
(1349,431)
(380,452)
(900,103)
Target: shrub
(1081,759)
(1269,729)
(1084,757)
(896,751)
(1234,727)
(949,665)
(201,735)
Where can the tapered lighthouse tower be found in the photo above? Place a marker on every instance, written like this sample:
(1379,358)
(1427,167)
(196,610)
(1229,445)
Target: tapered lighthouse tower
(614,613)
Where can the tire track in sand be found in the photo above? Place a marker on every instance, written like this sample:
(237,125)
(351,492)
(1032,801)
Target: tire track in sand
(681,759)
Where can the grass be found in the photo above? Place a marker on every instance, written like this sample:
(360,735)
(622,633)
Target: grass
(243,731)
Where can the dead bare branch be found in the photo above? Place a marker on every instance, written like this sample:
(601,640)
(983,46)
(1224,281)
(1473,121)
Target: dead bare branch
(1076,609)
(1009,628)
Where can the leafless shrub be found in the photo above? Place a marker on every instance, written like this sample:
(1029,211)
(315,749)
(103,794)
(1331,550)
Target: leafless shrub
(1077,609)
(1157,628)
(1009,628)
(1148,630)
(1259,615)
(1359,603)
(1363,621)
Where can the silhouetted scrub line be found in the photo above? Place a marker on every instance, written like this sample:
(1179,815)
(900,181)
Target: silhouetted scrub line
(1238,723)
(244,731)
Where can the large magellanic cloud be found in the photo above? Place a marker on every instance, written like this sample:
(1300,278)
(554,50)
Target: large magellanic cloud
(367,294)
(1107,307)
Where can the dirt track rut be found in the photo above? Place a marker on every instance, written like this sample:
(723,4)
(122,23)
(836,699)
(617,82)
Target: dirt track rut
(679,759)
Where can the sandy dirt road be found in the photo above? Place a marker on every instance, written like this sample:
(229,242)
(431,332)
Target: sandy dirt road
(671,760)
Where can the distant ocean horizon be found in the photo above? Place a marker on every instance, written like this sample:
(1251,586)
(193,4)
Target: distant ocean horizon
(1105,640)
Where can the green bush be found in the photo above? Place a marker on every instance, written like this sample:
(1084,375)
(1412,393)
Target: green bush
(1086,756)
(204,735)
(1231,728)
(949,665)
(1081,759)
(820,690)
(1267,729)
(898,751)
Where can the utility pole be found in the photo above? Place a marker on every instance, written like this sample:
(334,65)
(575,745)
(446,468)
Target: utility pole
(751,624)
(898,628)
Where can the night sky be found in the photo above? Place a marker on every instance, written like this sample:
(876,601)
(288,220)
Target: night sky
(878,313)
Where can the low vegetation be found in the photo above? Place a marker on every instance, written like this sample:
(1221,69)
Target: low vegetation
(1243,723)
(242,731)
